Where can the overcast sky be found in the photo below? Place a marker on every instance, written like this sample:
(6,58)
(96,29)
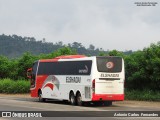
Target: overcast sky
(107,24)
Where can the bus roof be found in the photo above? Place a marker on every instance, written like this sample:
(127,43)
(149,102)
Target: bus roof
(70,56)
(62,57)
(66,57)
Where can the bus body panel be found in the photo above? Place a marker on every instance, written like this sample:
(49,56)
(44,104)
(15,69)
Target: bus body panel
(107,87)
(57,88)
(107,97)
(39,82)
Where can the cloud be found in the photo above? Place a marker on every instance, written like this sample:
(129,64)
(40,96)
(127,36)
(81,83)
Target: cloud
(107,24)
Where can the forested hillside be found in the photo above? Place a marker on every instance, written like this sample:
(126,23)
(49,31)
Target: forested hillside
(14,46)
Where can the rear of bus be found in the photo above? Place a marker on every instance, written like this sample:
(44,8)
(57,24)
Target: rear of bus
(108,81)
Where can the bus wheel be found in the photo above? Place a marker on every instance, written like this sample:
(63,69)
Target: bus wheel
(79,99)
(40,97)
(72,99)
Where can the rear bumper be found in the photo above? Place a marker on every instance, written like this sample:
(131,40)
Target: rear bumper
(107,97)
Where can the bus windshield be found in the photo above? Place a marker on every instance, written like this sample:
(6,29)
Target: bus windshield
(109,64)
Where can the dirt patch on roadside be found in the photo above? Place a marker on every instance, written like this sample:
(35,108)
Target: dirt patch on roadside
(138,103)
(16,95)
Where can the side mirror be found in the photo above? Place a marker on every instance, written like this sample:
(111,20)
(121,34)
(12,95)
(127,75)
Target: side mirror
(29,73)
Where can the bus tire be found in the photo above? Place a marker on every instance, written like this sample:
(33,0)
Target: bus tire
(72,99)
(40,97)
(98,103)
(79,99)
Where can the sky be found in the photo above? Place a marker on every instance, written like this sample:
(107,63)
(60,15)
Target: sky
(107,24)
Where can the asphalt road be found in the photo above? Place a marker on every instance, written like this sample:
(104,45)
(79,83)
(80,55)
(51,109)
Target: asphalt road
(25,103)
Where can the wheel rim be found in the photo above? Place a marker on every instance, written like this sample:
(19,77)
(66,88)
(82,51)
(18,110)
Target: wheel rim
(72,99)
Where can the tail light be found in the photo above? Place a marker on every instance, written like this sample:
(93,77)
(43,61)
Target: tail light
(93,86)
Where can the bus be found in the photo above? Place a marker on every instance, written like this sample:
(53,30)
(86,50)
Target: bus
(78,79)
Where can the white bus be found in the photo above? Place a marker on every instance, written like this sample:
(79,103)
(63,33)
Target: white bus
(79,79)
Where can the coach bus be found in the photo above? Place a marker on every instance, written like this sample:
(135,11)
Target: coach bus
(78,79)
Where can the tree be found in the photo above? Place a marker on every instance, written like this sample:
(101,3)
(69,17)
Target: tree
(60,43)
(4,67)
(115,53)
(91,47)
(76,45)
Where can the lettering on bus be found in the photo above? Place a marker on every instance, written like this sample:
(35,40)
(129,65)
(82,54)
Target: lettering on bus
(85,70)
(73,79)
(109,75)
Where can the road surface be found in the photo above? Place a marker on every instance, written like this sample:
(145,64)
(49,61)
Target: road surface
(25,103)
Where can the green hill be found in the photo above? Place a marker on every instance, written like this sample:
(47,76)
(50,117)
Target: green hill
(14,46)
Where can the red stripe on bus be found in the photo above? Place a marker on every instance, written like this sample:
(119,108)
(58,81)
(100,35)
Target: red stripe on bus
(105,97)
(50,85)
(39,82)
(62,57)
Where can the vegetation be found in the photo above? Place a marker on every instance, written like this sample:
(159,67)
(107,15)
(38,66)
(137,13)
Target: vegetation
(10,86)
(14,46)
(142,67)
(16,68)
(147,95)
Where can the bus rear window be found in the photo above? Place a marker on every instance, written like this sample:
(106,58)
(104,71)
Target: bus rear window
(109,64)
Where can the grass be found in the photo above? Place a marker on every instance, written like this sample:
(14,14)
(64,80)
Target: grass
(145,95)
(13,87)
